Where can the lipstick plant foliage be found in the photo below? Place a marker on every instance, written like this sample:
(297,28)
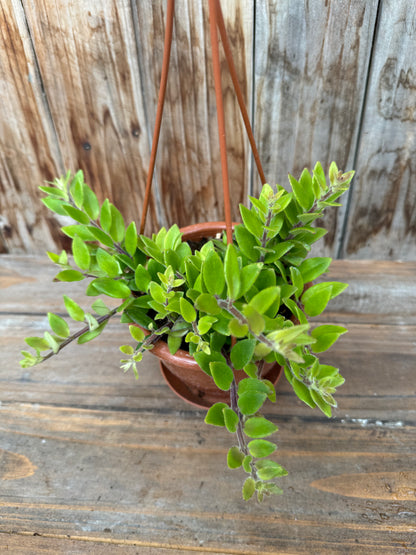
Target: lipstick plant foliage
(258,290)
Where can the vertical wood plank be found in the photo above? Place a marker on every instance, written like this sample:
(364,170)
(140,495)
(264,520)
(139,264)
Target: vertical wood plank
(29,152)
(188,163)
(382,216)
(88,61)
(311,60)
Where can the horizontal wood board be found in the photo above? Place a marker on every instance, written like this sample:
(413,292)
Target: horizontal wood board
(94,461)
(322,80)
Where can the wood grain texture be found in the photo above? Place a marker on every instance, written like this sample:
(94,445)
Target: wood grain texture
(87,58)
(188,168)
(121,465)
(311,62)
(325,80)
(382,216)
(29,153)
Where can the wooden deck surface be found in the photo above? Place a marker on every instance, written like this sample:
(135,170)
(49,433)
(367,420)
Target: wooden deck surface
(93,461)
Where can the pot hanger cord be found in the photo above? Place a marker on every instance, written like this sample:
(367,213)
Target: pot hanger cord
(213,18)
(159,112)
(237,88)
(216,18)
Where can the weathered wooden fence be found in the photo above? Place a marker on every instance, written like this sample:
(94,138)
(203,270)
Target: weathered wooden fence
(323,80)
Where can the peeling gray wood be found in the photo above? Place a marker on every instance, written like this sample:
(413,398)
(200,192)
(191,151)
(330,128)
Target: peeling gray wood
(311,61)
(382,216)
(79,86)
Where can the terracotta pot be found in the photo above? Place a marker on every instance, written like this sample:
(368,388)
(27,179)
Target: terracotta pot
(181,372)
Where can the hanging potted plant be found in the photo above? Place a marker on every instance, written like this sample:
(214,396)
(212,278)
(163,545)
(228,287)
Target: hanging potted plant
(225,306)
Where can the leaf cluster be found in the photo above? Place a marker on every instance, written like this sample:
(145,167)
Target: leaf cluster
(231,306)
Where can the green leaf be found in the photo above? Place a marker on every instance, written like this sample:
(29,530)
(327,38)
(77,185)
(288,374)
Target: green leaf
(107,263)
(116,289)
(58,325)
(130,242)
(74,310)
(207,303)
(53,257)
(237,329)
(101,236)
(303,392)
(303,191)
(76,214)
(117,229)
(251,221)
(317,297)
(312,268)
(260,448)
(251,369)
(187,310)
(321,403)
(247,463)
(213,273)
(258,427)
(91,206)
(203,360)
(297,280)
(242,353)
(205,324)
(52,191)
(81,253)
(90,335)
(264,299)
(92,322)
(234,458)
(69,275)
(137,333)
(250,402)
(231,420)
(252,384)
(142,278)
(325,336)
(255,320)
(232,272)
(249,488)
(172,238)
(78,229)
(157,293)
(100,307)
(314,302)
(319,174)
(247,242)
(126,349)
(248,276)
(53,344)
(77,189)
(37,343)
(56,205)
(174,343)
(215,415)
(105,216)
(222,375)
(267,469)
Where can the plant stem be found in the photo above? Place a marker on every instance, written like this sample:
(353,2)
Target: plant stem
(68,340)
(242,444)
(265,232)
(223,303)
